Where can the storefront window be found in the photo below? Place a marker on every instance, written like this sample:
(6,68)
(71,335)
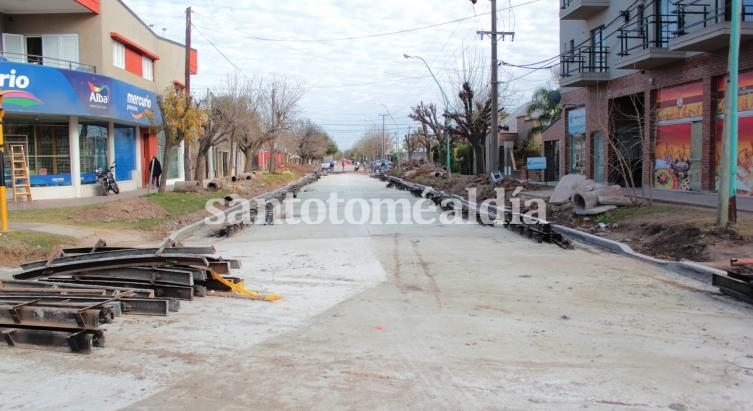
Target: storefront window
(125,152)
(679,112)
(92,140)
(576,140)
(47,152)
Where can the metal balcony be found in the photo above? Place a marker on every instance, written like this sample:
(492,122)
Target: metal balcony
(581,9)
(705,27)
(47,61)
(585,66)
(643,43)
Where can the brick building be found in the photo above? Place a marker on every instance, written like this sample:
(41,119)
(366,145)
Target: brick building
(643,89)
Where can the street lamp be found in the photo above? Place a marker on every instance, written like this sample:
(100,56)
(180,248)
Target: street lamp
(446,106)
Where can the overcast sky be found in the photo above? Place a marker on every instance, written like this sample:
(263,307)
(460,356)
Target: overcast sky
(348,54)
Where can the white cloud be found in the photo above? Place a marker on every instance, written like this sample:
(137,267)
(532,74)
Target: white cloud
(348,81)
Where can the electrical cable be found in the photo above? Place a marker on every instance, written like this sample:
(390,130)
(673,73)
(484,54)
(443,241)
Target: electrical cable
(376,35)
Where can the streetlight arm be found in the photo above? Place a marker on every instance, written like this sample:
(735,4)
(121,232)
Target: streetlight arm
(446,109)
(444,95)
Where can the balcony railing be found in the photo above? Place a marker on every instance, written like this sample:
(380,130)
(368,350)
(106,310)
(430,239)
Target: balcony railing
(47,61)
(692,15)
(585,59)
(648,32)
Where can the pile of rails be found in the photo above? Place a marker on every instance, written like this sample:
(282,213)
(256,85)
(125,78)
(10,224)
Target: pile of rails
(737,283)
(62,302)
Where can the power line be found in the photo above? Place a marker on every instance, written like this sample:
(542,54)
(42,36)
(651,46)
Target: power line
(368,36)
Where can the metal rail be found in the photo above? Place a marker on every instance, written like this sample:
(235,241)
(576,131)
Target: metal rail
(113,262)
(160,290)
(77,341)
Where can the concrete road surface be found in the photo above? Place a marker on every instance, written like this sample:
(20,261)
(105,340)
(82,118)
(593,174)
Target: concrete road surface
(431,317)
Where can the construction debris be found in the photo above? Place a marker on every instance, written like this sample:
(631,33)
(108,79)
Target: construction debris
(61,303)
(531,227)
(738,282)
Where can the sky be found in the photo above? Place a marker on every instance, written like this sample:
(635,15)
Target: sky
(348,54)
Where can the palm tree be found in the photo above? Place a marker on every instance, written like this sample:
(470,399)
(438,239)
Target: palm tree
(543,109)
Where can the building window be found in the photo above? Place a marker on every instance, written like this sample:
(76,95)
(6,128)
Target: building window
(118,54)
(47,152)
(598,58)
(125,152)
(147,68)
(92,142)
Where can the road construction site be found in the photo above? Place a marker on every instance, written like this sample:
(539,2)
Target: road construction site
(395,316)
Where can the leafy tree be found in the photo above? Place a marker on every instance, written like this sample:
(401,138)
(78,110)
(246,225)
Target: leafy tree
(182,121)
(543,109)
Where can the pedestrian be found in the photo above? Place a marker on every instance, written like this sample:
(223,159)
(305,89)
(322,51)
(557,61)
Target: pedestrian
(156,171)
(343,164)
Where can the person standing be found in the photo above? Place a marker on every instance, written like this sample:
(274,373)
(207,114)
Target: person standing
(156,171)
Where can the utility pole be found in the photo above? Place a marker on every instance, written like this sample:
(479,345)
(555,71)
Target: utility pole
(492,144)
(728,166)
(383,116)
(186,150)
(3,195)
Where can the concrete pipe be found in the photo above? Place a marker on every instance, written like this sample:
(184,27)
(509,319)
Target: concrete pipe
(230,198)
(187,186)
(214,185)
(585,200)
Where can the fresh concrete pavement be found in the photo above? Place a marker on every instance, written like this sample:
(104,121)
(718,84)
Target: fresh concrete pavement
(413,317)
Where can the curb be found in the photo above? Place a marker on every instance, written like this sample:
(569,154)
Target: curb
(688,269)
(186,231)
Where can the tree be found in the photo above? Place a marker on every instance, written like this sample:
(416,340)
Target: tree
(231,112)
(472,124)
(369,145)
(543,109)
(426,115)
(277,111)
(309,141)
(181,122)
(411,141)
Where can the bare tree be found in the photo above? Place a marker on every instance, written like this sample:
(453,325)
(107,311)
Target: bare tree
(308,141)
(472,124)
(231,111)
(279,99)
(426,115)
(411,141)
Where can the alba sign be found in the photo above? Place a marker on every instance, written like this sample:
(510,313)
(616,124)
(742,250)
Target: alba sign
(31,88)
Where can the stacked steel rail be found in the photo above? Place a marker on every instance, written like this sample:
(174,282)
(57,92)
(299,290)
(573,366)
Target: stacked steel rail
(528,226)
(60,303)
(736,284)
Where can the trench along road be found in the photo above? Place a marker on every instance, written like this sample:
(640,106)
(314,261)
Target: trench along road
(436,316)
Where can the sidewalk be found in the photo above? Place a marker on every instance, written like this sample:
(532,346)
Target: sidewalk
(74,202)
(702,199)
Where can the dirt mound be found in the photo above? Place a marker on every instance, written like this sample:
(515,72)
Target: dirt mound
(675,242)
(127,209)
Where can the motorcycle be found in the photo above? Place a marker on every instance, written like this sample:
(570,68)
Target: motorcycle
(106,180)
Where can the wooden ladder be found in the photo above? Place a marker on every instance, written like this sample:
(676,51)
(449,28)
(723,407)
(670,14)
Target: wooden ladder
(20,173)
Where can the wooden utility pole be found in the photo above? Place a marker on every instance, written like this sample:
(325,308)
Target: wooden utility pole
(186,148)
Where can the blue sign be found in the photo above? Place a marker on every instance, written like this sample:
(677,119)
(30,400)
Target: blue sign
(536,163)
(31,88)
(576,121)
